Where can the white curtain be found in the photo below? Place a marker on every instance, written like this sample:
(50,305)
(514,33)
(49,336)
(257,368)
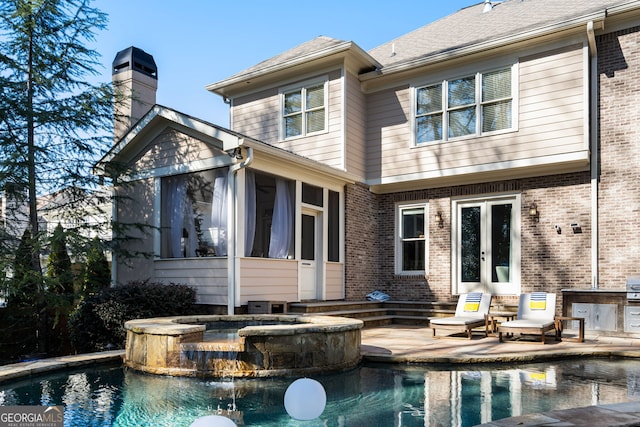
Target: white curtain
(282,222)
(219,213)
(183,239)
(178,193)
(250,211)
(189,233)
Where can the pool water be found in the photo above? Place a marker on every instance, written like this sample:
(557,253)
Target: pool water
(370,395)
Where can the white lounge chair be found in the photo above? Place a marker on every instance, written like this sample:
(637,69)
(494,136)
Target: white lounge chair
(471,312)
(536,315)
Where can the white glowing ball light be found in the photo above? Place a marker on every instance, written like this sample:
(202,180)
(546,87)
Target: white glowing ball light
(213,421)
(305,399)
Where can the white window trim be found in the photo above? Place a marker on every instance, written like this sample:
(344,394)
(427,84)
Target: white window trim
(445,106)
(324,80)
(398,238)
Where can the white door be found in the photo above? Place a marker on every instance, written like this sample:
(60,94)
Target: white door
(309,257)
(487,246)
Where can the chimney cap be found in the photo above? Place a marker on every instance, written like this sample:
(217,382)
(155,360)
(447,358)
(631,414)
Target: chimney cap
(133,58)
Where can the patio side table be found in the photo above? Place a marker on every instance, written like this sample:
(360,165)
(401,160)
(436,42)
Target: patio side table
(492,321)
(559,326)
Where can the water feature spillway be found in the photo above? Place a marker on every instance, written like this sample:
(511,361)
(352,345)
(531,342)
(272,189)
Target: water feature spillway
(242,345)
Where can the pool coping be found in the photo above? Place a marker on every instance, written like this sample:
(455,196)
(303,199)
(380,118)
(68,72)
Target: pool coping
(41,366)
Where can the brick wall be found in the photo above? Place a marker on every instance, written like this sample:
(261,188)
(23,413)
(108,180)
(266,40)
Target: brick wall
(361,230)
(435,285)
(619,189)
(550,261)
(553,261)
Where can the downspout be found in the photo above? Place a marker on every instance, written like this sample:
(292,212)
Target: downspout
(114,220)
(232,274)
(595,165)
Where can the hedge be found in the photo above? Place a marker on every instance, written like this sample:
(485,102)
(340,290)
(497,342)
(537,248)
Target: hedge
(98,322)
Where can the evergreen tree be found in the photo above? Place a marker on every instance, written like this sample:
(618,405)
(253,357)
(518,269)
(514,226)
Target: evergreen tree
(54,125)
(27,296)
(26,283)
(97,275)
(59,265)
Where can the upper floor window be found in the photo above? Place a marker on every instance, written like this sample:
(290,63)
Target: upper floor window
(471,105)
(304,109)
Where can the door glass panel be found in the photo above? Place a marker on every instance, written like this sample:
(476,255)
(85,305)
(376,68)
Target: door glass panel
(308,237)
(500,242)
(470,244)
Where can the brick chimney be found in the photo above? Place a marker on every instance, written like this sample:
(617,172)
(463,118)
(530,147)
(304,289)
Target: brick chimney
(135,76)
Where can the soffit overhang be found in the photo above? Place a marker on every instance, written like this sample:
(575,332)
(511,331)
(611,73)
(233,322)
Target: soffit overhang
(508,170)
(347,53)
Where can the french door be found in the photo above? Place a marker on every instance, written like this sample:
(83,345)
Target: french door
(486,246)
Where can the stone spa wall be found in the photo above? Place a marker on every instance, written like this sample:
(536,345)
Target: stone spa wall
(242,345)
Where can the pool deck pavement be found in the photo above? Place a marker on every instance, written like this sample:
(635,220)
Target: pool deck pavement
(415,344)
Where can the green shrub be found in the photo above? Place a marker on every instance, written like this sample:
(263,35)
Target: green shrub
(97,275)
(98,322)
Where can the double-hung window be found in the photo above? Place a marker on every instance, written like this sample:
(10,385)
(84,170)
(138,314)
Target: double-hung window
(411,244)
(471,105)
(304,109)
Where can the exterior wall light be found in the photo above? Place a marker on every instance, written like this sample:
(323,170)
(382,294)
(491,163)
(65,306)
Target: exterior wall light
(534,213)
(439,219)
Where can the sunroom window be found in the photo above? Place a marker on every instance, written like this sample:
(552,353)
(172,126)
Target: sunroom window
(186,215)
(304,110)
(472,105)
(411,247)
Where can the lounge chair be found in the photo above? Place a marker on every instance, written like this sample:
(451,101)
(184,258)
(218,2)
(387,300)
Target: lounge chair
(471,312)
(536,315)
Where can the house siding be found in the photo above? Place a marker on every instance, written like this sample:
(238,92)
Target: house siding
(172,147)
(619,144)
(208,276)
(258,115)
(355,116)
(334,281)
(268,279)
(551,121)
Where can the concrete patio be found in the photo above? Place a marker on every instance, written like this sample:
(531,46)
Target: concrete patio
(415,344)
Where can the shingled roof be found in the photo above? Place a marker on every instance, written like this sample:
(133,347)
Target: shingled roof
(468,27)
(318,44)
(471,25)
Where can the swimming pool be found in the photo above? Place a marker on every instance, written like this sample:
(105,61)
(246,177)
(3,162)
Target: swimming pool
(370,395)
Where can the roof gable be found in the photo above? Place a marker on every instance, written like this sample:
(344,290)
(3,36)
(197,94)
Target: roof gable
(156,121)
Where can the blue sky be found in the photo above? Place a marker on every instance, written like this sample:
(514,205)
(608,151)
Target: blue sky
(198,42)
